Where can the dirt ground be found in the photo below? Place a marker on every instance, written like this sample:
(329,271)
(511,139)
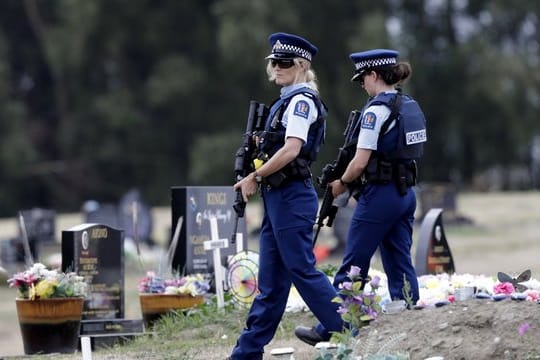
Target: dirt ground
(504,236)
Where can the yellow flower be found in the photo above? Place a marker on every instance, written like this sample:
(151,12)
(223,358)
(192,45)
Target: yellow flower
(45,289)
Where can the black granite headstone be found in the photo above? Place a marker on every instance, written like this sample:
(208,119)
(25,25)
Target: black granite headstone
(97,252)
(433,254)
(197,204)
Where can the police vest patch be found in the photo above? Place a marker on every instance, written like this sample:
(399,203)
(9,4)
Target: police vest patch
(301,109)
(369,120)
(415,137)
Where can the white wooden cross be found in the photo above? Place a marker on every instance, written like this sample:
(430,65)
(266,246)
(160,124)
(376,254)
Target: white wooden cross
(216,244)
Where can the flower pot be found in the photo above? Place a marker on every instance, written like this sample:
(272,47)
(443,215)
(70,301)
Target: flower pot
(154,306)
(50,325)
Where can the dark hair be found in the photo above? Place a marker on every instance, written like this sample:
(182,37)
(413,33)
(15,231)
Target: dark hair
(396,74)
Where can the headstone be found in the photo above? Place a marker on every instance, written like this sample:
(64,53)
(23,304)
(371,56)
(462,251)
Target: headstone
(11,253)
(96,252)
(40,224)
(197,204)
(39,229)
(433,254)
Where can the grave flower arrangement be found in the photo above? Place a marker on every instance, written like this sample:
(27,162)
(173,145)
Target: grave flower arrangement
(192,285)
(38,282)
(358,305)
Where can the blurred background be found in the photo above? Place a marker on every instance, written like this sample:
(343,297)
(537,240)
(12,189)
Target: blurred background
(101,96)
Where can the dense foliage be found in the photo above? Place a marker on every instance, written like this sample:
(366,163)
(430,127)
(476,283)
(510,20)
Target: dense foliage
(99,96)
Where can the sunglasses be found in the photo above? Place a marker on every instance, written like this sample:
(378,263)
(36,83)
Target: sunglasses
(282,63)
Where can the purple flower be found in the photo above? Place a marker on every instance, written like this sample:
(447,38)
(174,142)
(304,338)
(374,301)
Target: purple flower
(375,282)
(346,285)
(342,310)
(523,328)
(354,272)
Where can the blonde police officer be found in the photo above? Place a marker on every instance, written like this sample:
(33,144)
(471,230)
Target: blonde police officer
(292,137)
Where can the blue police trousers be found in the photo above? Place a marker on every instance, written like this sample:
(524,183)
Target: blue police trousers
(286,256)
(382,219)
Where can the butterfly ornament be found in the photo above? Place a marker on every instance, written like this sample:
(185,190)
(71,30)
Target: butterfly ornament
(524,276)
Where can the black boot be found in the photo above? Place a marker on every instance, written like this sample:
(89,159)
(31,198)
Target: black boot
(308,335)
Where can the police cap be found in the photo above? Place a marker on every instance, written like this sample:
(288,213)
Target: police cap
(372,59)
(289,46)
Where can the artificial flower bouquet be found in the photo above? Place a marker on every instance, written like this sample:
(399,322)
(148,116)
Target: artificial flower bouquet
(38,282)
(358,306)
(193,285)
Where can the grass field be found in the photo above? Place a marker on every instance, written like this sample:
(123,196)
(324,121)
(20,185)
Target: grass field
(504,236)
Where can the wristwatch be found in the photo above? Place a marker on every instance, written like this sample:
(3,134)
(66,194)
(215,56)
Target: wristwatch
(343,182)
(258,178)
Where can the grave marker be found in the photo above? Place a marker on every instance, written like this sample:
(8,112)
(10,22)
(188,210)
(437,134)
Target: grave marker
(433,254)
(215,245)
(197,205)
(36,228)
(96,252)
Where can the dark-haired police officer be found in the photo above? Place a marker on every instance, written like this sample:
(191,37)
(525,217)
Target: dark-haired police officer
(391,133)
(293,135)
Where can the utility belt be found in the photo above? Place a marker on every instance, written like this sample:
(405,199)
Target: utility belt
(298,169)
(403,174)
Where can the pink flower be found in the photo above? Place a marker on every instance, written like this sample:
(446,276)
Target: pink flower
(532,295)
(504,288)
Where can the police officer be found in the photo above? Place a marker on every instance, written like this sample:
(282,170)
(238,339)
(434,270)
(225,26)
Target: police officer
(391,132)
(294,132)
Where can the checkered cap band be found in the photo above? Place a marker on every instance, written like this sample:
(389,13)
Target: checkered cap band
(371,63)
(280,48)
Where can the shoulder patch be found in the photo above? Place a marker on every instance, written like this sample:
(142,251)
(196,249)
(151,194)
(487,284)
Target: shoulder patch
(301,109)
(369,120)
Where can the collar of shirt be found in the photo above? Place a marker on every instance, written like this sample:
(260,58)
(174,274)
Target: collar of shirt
(290,88)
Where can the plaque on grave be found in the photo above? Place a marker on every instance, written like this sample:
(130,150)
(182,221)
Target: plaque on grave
(433,254)
(97,252)
(197,204)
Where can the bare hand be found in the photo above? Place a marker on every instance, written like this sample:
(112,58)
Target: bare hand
(337,188)
(248,186)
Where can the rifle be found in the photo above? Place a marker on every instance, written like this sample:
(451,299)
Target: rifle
(334,171)
(244,156)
